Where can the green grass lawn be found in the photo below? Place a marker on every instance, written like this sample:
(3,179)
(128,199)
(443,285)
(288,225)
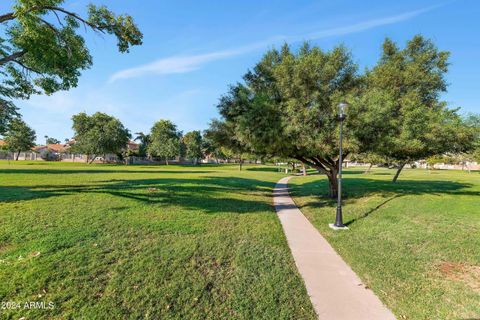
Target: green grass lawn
(138,242)
(415,243)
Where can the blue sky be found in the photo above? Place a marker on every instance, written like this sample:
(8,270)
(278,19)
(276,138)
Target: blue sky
(193,50)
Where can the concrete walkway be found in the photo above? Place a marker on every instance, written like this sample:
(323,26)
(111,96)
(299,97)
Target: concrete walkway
(335,290)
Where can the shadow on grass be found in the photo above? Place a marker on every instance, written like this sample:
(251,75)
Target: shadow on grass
(358,188)
(266,169)
(93,170)
(366,214)
(208,194)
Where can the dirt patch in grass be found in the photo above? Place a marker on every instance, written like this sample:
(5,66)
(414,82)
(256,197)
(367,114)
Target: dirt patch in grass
(468,274)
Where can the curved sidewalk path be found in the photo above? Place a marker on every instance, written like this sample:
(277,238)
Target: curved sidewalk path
(335,290)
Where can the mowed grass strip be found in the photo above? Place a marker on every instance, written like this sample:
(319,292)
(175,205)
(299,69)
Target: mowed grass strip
(145,242)
(415,243)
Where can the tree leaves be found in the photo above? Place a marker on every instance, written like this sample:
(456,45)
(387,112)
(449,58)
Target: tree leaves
(99,134)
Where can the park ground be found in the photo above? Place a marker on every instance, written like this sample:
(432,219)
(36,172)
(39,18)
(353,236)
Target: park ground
(416,243)
(170,242)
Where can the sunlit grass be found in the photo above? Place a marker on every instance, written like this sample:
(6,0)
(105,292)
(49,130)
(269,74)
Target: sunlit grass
(145,242)
(415,243)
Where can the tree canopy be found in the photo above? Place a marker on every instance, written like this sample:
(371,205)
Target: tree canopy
(224,139)
(51,140)
(193,145)
(19,137)
(144,140)
(99,134)
(42,51)
(288,106)
(400,108)
(164,140)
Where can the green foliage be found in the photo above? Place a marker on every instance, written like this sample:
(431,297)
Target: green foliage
(400,109)
(41,50)
(288,106)
(164,140)
(98,134)
(224,140)
(369,158)
(8,112)
(472,121)
(49,155)
(433,160)
(19,137)
(144,140)
(210,147)
(193,145)
(50,140)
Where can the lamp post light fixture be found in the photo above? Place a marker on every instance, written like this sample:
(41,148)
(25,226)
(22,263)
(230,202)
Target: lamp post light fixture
(338,225)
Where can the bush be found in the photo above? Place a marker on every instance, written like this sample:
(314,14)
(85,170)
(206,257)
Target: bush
(49,155)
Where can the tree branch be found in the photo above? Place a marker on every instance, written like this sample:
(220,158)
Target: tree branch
(74,15)
(12,57)
(12,16)
(25,67)
(7,16)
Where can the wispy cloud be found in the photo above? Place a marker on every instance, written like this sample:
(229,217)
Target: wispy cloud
(365,25)
(174,64)
(188,63)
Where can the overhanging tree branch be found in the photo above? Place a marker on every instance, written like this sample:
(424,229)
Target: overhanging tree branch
(12,57)
(12,16)
(7,16)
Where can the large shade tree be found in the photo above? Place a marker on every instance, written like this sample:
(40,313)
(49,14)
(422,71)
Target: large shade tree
(287,107)
(19,137)
(401,110)
(164,140)
(42,50)
(99,134)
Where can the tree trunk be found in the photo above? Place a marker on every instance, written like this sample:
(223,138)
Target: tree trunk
(369,168)
(166,161)
(18,155)
(93,159)
(332,184)
(304,169)
(398,172)
(241,162)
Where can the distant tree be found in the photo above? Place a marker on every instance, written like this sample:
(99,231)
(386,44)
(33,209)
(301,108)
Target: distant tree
(144,140)
(98,134)
(211,148)
(50,140)
(400,109)
(193,145)
(222,133)
(41,50)
(472,121)
(19,137)
(370,158)
(164,140)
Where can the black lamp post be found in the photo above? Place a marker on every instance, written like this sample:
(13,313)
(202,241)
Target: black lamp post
(339,217)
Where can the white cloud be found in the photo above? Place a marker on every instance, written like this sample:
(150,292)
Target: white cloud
(188,63)
(365,25)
